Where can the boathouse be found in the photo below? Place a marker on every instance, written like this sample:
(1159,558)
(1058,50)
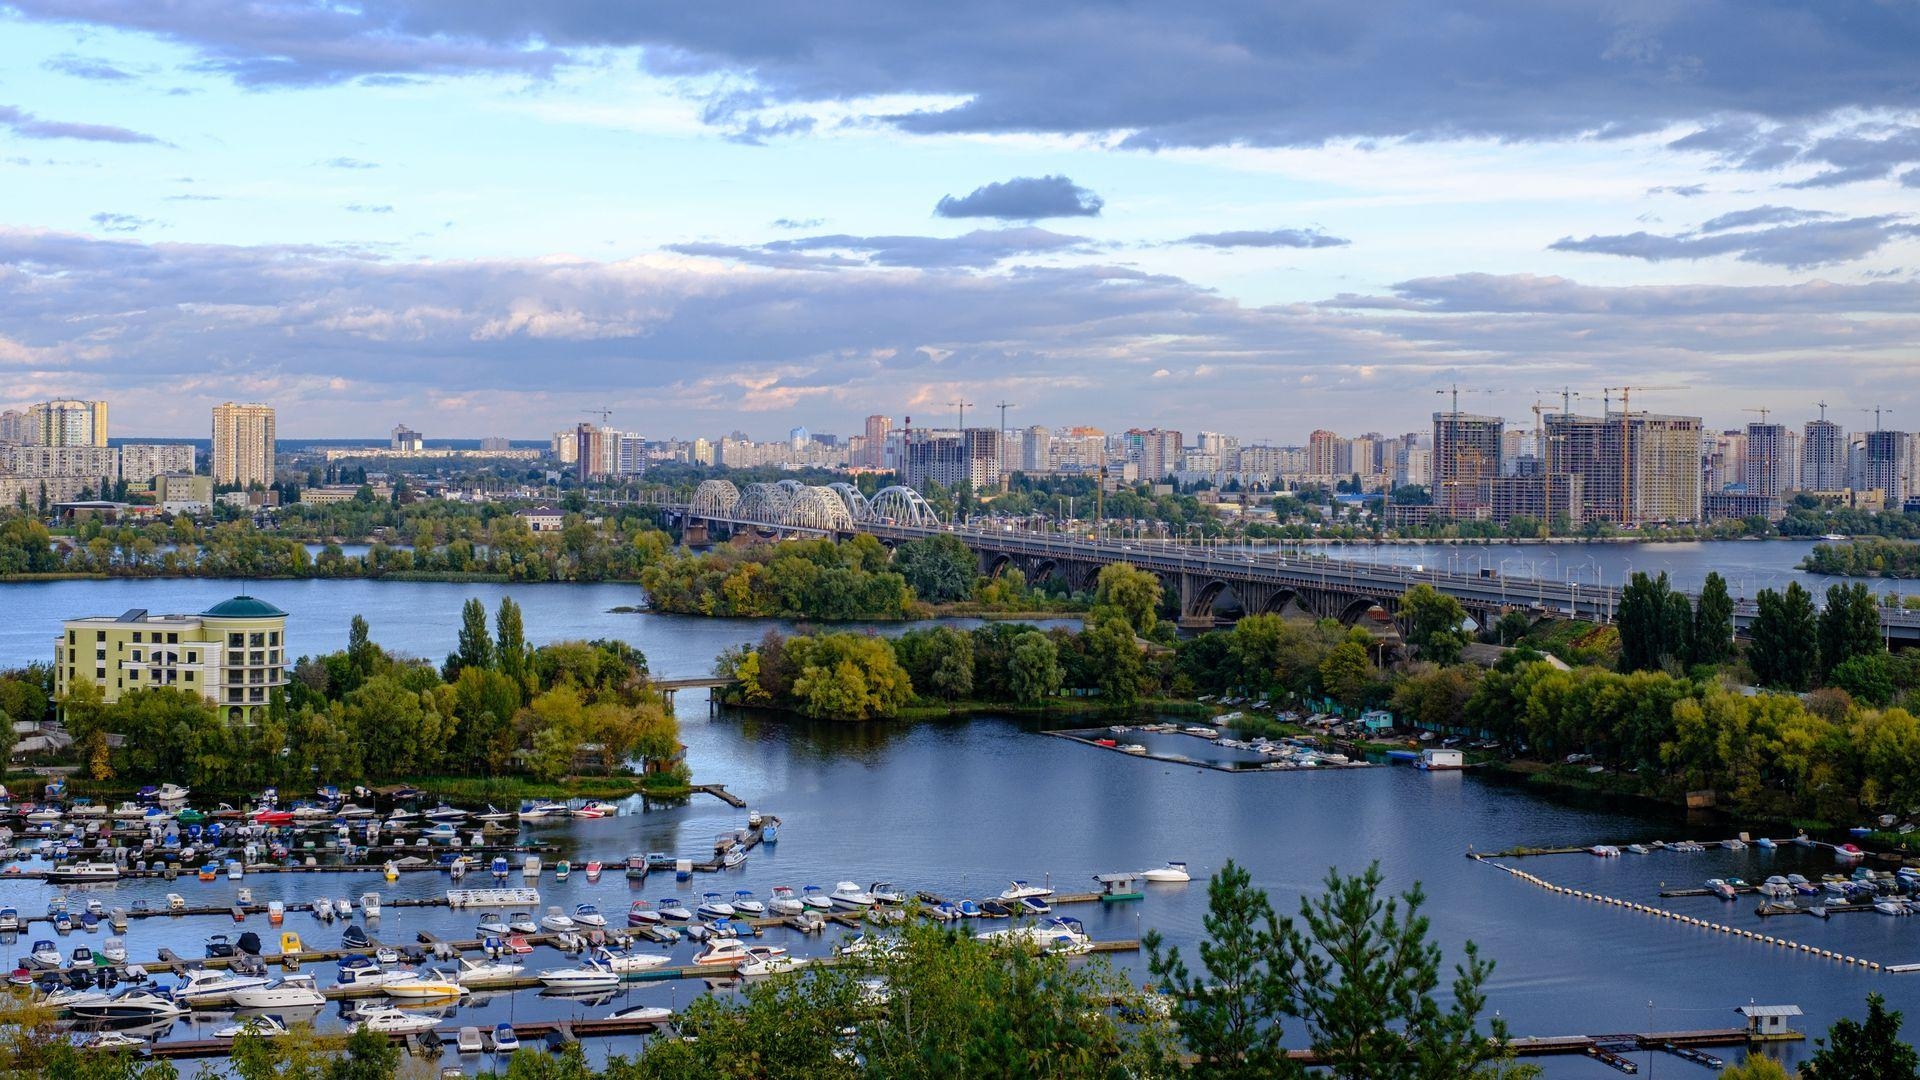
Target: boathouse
(1769,1022)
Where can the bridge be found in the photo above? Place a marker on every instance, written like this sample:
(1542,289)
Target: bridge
(1204,578)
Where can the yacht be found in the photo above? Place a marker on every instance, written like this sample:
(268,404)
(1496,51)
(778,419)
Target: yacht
(784,901)
(67,995)
(490,973)
(470,1041)
(767,960)
(429,985)
(364,971)
(266,1027)
(714,908)
(850,896)
(288,992)
(1058,935)
(83,871)
(745,905)
(557,921)
(588,916)
(388,1020)
(590,977)
(134,1004)
(1172,872)
(204,987)
(629,963)
(654,1014)
(721,951)
(1020,890)
(505,1041)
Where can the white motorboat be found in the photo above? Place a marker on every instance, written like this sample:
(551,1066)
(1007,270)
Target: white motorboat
(370,905)
(365,972)
(630,963)
(590,977)
(288,992)
(746,906)
(767,960)
(522,922)
(494,814)
(470,1041)
(557,921)
(883,892)
(812,898)
(115,950)
(490,973)
(266,1027)
(785,901)
(1020,890)
(83,872)
(204,987)
(343,907)
(389,1020)
(430,985)
(135,1004)
(45,954)
(672,910)
(173,793)
(1055,935)
(851,896)
(66,995)
(652,1014)
(492,923)
(721,951)
(1170,873)
(588,916)
(642,914)
(505,1039)
(712,907)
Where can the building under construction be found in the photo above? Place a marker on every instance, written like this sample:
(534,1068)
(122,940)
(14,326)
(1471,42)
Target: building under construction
(1466,450)
(1634,467)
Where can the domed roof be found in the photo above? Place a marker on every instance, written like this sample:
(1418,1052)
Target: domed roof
(243,607)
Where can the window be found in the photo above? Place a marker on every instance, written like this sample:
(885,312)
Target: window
(256,658)
(136,656)
(193,658)
(133,675)
(170,676)
(173,639)
(236,640)
(99,654)
(99,635)
(234,659)
(256,694)
(235,714)
(273,637)
(256,639)
(100,674)
(136,636)
(236,695)
(72,638)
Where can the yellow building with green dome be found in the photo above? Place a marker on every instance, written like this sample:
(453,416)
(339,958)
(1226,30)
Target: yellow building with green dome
(234,654)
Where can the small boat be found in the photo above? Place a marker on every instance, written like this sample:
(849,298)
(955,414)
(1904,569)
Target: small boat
(673,910)
(370,905)
(523,922)
(653,1014)
(721,952)
(562,870)
(812,898)
(969,910)
(530,867)
(592,976)
(642,914)
(851,897)
(391,1021)
(883,892)
(1892,906)
(637,867)
(1765,843)
(9,920)
(443,812)
(114,949)
(1849,853)
(500,867)
(1032,905)
(492,923)
(767,960)
(355,938)
(391,871)
(114,1040)
(172,793)
(1860,831)
(1020,890)
(288,992)
(267,1027)
(342,907)
(494,813)
(504,1039)
(785,901)
(714,908)
(218,946)
(1133,748)
(557,921)
(597,809)
(1638,849)
(744,904)
(594,868)
(1173,872)
(429,985)
(476,973)
(470,1041)
(1720,888)
(589,916)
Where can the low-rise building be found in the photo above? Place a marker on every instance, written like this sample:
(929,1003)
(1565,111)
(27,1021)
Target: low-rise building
(233,654)
(542,518)
(183,494)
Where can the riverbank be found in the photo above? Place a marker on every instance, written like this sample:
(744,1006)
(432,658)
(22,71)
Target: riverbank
(467,790)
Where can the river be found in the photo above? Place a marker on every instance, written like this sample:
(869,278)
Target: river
(961,808)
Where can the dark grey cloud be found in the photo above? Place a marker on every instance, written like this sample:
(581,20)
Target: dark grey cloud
(1760,215)
(1023,198)
(1813,243)
(1498,294)
(1685,191)
(979,248)
(28,126)
(370,208)
(1910,178)
(1860,151)
(1233,72)
(1267,238)
(87,67)
(349,163)
(121,223)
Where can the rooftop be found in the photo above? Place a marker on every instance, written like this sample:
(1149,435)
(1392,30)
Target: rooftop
(243,607)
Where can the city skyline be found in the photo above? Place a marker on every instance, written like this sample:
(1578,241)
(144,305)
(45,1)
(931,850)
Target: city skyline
(1305,220)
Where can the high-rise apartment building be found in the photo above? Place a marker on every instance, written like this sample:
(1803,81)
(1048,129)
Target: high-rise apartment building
(141,462)
(878,427)
(405,439)
(13,426)
(1640,467)
(1036,450)
(1766,468)
(243,444)
(1323,449)
(950,457)
(1883,465)
(1823,456)
(66,423)
(1154,451)
(1466,449)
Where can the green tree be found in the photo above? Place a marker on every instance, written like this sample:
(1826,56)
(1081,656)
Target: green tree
(1034,670)
(940,569)
(1856,1050)
(476,643)
(510,650)
(1346,672)
(1114,657)
(1756,1067)
(1655,622)
(1132,592)
(1711,641)
(1785,643)
(1849,626)
(1229,1015)
(363,656)
(1433,621)
(1868,678)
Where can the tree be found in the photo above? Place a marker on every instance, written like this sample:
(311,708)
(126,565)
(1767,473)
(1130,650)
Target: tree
(939,569)
(1034,672)
(1229,1016)
(1113,656)
(1711,641)
(363,656)
(476,644)
(1856,1049)
(510,652)
(1756,1067)
(1785,646)
(1849,626)
(1655,622)
(1134,593)
(1346,672)
(1433,621)
(1868,678)
(1512,627)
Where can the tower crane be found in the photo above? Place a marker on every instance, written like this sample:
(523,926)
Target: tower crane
(1876,411)
(1626,440)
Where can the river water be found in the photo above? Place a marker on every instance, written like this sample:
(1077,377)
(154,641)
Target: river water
(961,808)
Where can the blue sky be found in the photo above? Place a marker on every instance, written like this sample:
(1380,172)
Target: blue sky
(481,218)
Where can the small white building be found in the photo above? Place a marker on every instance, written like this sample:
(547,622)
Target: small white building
(1769,1022)
(542,518)
(1441,759)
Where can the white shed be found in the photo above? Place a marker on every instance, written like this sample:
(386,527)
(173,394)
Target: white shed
(1770,1021)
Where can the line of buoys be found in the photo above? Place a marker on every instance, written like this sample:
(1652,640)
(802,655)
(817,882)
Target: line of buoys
(1691,920)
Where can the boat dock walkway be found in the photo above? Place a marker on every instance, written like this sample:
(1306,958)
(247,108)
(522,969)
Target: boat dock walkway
(1237,769)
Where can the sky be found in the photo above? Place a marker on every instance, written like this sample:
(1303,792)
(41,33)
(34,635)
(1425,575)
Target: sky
(479,217)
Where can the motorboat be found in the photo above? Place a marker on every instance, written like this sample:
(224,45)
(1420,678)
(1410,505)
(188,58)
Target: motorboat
(589,916)
(1776,886)
(969,910)
(68,873)
(489,973)
(784,901)
(590,977)
(712,907)
(44,954)
(429,985)
(203,987)
(721,952)
(1849,853)
(530,867)
(390,1021)
(594,869)
(67,995)
(596,810)
(523,922)
(941,911)
(867,945)
(745,905)
(370,905)
(562,870)
(1059,935)
(812,897)
(492,923)
(443,812)
(642,914)
(267,1027)
(637,867)
(355,938)
(767,960)
(115,950)
(287,992)
(1020,890)
(136,1004)
(114,1040)
(366,972)
(9,920)
(500,868)
(504,1040)
(1721,889)
(1171,873)
(652,1014)
(536,811)
(1032,905)
(883,892)
(172,793)
(342,907)
(1892,906)
(82,958)
(672,910)
(851,897)
(557,921)
(733,856)
(630,963)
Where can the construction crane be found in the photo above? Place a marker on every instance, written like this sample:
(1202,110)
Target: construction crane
(1762,411)
(1626,440)
(1003,407)
(1567,394)
(1455,390)
(1876,411)
(1823,411)
(963,406)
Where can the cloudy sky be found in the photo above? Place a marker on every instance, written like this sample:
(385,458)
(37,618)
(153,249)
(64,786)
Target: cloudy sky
(1257,217)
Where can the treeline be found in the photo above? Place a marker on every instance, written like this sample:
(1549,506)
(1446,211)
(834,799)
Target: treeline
(1867,557)
(501,546)
(835,580)
(496,708)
